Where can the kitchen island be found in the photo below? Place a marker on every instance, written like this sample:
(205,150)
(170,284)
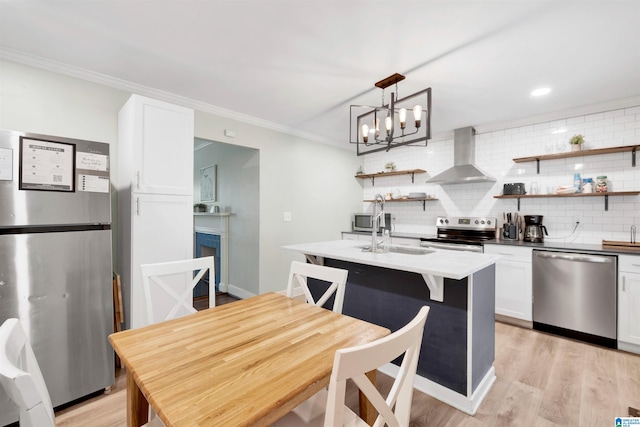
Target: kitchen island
(388,289)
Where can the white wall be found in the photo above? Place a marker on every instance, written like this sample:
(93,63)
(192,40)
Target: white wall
(313,181)
(494,153)
(38,101)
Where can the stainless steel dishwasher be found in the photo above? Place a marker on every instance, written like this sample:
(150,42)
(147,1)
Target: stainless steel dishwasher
(574,295)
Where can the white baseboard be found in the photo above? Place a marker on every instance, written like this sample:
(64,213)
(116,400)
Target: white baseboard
(631,348)
(239,292)
(468,405)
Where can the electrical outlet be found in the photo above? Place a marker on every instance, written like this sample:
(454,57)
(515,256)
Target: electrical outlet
(287,216)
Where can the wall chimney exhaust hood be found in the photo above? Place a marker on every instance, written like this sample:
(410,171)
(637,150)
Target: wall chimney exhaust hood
(463,170)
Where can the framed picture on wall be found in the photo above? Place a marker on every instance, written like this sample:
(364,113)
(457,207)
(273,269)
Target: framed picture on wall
(208,183)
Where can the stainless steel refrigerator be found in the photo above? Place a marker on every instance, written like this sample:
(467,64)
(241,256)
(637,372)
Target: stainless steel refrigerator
(55,259)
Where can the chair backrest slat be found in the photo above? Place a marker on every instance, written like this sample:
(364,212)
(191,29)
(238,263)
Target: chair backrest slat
(336,277)
(158,275)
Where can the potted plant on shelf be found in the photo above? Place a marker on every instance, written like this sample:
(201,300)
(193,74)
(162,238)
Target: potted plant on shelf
(390,167)
(200,207)
(576,142)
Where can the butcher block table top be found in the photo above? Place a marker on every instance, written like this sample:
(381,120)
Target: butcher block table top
(246,363)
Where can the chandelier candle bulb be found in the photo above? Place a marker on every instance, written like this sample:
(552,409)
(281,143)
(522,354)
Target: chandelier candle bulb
(417,114)
(403,117)
(365,133)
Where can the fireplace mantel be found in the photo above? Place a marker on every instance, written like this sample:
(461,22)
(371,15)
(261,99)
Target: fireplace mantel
(217,224)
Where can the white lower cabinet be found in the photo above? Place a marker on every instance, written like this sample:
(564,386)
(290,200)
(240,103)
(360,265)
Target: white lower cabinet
(514,295)
(356,236)
(629,303)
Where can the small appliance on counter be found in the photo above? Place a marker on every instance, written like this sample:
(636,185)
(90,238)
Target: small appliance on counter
(511,228)
(533,229)
(513,188)
(363,222)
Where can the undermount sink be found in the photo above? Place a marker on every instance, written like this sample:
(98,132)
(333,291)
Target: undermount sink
(400,249)
(411,250)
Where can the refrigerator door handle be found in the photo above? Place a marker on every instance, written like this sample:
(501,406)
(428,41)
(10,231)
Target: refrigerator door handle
(138,179)
(138,206)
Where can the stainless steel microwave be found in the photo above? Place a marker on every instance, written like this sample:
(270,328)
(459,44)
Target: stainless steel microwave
(362,222)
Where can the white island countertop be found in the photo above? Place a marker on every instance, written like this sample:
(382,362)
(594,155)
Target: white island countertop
(444,263)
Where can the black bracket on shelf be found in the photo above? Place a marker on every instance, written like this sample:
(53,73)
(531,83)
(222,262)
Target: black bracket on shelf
(373,182)
(413,173)
(424,205)
(606,202)
(537,167)
(633,157)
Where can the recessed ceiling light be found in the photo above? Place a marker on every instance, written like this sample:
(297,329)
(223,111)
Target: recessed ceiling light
(541,91)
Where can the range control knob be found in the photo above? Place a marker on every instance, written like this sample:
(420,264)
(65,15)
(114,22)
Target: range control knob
(446,221)
(482,222)
(476,221)
(488,222)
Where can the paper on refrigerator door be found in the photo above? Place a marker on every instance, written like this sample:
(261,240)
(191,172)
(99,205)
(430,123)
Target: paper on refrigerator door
(6,164)
(93,184)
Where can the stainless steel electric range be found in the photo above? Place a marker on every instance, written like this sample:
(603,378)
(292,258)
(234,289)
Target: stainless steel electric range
(462,233)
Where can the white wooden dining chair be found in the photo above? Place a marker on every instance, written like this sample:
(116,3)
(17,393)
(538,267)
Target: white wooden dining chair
(336,277)
(162,301)
(22,379)
(328,409)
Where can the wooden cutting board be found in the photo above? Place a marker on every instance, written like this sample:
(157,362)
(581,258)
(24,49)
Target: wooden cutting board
(621,245)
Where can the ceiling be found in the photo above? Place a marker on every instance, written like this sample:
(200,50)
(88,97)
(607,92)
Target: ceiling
(297,65)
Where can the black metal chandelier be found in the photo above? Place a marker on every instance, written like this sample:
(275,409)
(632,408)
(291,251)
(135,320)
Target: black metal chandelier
(365,121)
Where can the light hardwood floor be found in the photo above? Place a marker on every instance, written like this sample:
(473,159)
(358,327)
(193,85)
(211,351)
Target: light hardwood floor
(542,380)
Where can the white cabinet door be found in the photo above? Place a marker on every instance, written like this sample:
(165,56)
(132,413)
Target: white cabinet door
(162,230)
(513,289)
(513,281)
(357,236)
(629,300)
(155,143)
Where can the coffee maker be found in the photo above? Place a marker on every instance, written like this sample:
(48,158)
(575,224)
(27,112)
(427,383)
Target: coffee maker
(533,229)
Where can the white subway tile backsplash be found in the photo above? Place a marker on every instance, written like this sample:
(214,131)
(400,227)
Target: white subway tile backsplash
(495,152)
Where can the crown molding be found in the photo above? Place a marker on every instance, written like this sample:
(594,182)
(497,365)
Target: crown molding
(127,86)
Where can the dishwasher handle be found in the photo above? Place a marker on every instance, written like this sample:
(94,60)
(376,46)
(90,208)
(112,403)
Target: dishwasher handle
(576,257)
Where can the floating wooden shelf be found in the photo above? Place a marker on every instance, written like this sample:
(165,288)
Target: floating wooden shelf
(538,196)
(373,176)
(594,152)
(417,199)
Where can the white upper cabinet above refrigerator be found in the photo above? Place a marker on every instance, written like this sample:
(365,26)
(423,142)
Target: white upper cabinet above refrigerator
(155,145)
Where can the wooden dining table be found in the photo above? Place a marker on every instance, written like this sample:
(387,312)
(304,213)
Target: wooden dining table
(246,363)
